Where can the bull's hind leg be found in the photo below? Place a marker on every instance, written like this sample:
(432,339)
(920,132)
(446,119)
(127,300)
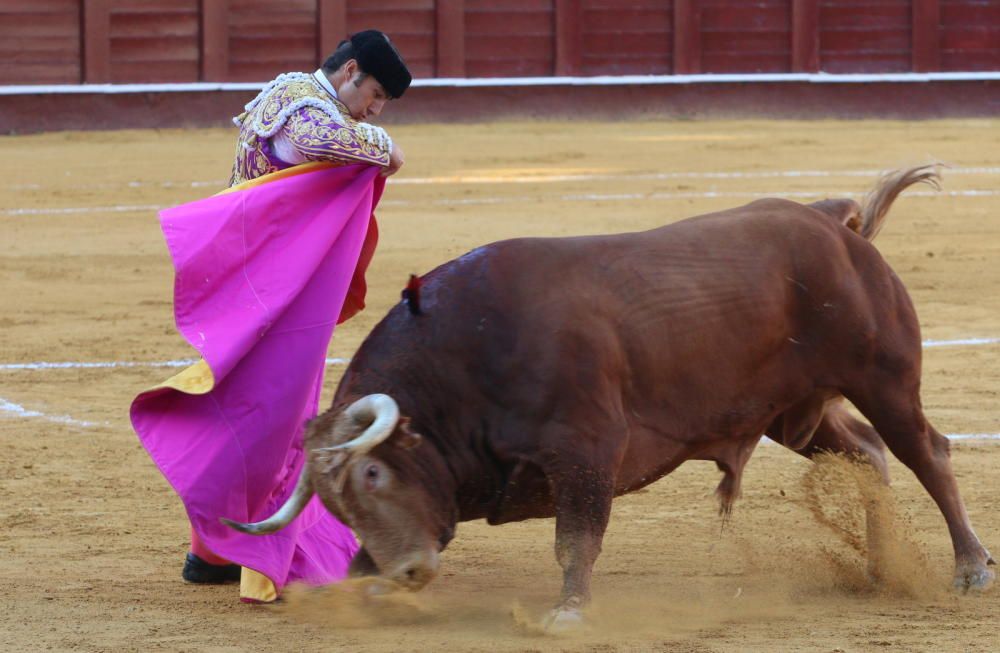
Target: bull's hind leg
(841,433)
(897,416)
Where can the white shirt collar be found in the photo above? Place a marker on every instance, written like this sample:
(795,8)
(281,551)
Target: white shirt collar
(324,81)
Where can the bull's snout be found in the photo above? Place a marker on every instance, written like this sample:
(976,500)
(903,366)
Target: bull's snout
(416,570)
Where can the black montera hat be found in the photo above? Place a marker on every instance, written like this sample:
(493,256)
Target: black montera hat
(377,56)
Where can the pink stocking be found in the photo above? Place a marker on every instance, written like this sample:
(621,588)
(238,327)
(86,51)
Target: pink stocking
(202,551)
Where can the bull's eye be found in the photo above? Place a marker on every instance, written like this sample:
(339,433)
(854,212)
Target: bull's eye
(371,477)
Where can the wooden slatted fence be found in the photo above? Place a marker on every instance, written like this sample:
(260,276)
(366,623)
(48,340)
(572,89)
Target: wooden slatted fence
(120,41)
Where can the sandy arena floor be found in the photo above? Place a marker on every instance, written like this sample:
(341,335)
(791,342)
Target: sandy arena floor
(93,538)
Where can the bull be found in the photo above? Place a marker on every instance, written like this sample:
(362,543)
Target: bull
(542,377)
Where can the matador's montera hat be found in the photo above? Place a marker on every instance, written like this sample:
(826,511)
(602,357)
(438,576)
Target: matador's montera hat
(377,56)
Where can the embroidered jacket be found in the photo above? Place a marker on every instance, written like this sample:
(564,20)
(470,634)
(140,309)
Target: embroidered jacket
(317,125)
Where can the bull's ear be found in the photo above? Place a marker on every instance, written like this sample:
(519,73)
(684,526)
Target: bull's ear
(407,438)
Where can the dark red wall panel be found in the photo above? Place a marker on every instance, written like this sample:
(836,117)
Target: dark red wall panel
(97,41)
(746,37)
(865,36)
(40,42)
(267,38)
(970,34)
(154,40)
(509,39)
(410,24)
(632,40)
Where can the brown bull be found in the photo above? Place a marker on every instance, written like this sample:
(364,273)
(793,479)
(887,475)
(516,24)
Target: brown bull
(542,377)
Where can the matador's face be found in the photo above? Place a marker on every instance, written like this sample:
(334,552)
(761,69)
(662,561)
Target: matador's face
(363,95)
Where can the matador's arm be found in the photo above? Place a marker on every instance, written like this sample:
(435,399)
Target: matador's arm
(317,136)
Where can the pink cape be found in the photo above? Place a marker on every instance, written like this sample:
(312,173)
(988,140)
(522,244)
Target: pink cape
(262,275)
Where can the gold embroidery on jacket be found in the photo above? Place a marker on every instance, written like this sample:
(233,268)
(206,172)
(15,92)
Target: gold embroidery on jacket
(320,134)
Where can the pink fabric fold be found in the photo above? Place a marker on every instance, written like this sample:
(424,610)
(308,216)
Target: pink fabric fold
(261,277)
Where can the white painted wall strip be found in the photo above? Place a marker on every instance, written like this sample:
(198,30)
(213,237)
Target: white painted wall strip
(504,82)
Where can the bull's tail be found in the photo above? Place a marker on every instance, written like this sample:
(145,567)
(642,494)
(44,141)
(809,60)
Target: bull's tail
(876,204)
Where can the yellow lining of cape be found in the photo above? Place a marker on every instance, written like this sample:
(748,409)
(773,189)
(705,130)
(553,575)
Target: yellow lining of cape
(198,379)
(280,174)
(256,587)
(195,379)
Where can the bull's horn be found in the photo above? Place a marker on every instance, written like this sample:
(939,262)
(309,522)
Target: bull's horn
(384,414)
(295,504)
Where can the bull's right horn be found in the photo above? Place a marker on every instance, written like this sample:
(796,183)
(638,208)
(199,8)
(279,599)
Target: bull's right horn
(295,504)
(384,414)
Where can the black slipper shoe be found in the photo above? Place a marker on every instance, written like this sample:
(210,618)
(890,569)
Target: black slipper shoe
(197,570)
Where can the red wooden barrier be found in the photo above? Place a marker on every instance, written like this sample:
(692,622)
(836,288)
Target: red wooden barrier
(805,36)
(747,37)
(687,37)
(970,35)
(450,30)
(926,39)
(410,23)
(568,37)
(96,41)
(96,23)
(636,41)
(332,25)
(214,40)
(40,42)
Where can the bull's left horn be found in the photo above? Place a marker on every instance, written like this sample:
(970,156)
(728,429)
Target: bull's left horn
(295,504)
(384,414)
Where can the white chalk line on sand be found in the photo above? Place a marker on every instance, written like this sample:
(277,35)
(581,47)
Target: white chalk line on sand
(184,362)
(577,197)
(620,197)
(971,437)
(663,176)
(70,210)
(960,343)
(16,410)
(10,409)
(539,178)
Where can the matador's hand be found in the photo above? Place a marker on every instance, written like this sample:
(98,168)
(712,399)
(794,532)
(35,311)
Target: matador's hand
(395,160)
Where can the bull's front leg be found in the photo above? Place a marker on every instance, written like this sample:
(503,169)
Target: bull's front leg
(583,506)
(362,565)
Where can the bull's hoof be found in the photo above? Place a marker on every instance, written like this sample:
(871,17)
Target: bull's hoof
(563,619)
(977,578)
